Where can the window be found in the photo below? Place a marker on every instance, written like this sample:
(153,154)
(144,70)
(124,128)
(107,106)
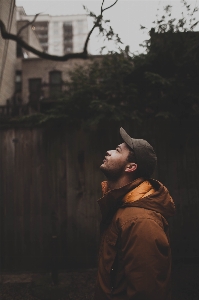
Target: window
(68,37)
(55,79)
(18,81)
(34,89)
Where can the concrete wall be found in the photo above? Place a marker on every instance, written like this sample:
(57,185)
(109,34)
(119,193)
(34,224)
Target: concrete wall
(7,52)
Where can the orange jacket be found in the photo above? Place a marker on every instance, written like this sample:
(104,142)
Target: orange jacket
(135,256)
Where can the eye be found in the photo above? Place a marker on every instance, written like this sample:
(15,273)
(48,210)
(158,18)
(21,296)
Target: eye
(117,149)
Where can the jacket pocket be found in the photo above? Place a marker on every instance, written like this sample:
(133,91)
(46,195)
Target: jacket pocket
(110,250)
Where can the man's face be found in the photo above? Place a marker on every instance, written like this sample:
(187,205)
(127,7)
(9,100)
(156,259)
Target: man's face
(115,162)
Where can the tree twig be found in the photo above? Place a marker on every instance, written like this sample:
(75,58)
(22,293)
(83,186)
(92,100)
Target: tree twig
(110,5)
(10,36)
(83,55)
(27,24)
(96,24)
(102,7)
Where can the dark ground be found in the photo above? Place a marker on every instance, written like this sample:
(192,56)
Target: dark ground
(79,285)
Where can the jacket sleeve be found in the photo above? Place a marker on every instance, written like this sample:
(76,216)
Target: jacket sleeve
(147,260)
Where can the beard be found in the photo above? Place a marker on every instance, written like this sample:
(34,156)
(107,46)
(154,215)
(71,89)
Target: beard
(112,174)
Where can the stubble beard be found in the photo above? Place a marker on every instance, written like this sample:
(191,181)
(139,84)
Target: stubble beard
(111,174)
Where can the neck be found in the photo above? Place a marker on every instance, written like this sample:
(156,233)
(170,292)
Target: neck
(116,184)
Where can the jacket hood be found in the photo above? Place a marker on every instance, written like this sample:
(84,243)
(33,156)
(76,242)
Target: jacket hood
(159,200)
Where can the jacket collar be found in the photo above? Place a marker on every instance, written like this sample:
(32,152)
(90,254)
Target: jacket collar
(112,199)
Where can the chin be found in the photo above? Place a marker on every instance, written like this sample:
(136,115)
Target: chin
(102,167)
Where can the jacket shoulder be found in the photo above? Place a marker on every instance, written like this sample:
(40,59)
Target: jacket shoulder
(129,215)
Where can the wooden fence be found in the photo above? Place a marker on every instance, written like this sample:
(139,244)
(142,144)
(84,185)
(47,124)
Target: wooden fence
(50,181)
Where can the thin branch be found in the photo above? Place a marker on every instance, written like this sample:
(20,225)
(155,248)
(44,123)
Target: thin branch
(83,55)
(10,36)
(87,40)
(102,7)
(110,5)
(27,24)
(96,24)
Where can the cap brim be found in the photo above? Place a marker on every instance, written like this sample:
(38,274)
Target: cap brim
(127,139)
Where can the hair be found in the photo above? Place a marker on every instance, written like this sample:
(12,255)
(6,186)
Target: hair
(132,158)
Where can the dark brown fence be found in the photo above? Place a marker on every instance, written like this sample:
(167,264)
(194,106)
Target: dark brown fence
(50,181)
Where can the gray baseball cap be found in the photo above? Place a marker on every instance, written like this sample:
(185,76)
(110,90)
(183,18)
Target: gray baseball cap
(145,155)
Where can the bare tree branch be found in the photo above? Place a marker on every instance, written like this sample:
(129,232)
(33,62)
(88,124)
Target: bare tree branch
(96,24)
(83,55)
(110,5)
(102,7)
(10,36)
(27,24)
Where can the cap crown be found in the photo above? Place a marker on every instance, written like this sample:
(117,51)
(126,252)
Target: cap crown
(144,153)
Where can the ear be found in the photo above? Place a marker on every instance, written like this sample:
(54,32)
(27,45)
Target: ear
(131,167)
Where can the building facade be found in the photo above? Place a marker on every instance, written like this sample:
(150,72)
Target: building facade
(44,81)
(7,52)
(41,82)
(58,35)
(26,80)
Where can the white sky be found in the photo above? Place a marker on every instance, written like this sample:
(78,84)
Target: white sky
(125,17)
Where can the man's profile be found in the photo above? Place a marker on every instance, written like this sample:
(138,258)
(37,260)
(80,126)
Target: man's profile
(134,256)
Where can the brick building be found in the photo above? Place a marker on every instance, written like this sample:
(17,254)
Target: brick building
(40,82)
(27,81)
(43,80)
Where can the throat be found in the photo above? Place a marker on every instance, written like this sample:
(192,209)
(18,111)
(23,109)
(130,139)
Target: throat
(116,184)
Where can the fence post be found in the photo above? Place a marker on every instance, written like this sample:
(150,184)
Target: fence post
(54,249)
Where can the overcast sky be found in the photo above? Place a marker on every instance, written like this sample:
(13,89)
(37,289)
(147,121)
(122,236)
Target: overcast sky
(126,16)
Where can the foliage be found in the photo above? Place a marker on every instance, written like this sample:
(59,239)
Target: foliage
(99,91)
(162,83)
(187,22)
(105,31)
(169,70)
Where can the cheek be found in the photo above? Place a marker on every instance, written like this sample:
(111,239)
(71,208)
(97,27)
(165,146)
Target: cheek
(117,161)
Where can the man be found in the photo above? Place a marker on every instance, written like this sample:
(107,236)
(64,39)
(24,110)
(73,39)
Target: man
(134,256)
